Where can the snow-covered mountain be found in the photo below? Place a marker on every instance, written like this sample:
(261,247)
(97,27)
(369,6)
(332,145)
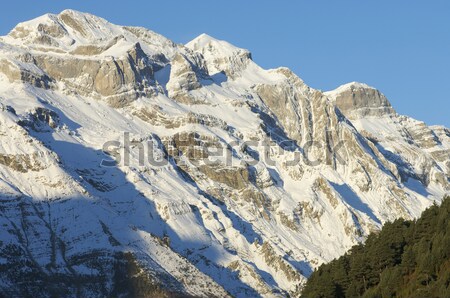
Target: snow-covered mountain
(228,179)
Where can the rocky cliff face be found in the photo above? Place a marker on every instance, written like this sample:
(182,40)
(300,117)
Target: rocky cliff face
(130,165)
(357,100)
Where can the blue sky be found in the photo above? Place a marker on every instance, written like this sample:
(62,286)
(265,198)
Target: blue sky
(400,47)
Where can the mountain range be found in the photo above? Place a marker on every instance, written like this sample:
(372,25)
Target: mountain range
(134,166)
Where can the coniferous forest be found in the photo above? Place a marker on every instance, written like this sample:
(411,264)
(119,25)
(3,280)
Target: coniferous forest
(406,259)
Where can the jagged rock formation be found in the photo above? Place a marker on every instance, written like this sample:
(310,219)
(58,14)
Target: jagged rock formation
(129,163)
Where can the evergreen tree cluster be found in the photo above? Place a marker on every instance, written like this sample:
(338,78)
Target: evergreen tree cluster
(406,259)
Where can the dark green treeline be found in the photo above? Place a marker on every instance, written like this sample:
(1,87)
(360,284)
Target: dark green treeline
(406,259)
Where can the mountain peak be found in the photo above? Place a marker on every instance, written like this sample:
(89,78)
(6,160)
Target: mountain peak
(63,30)
(357,100)
(353,85)
(220,55)
(76,13)
(221,48)
(203,38)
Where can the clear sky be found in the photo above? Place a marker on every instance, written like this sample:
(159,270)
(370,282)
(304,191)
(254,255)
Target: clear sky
(400,47)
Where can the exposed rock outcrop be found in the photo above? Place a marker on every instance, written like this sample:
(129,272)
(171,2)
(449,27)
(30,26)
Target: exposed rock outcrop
(358,100)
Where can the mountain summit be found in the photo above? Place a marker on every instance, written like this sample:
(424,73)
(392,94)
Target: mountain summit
(358,100)
(220,55)
(134,166)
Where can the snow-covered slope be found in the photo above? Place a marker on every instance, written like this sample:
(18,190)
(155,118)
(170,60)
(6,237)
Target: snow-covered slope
(228,179)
